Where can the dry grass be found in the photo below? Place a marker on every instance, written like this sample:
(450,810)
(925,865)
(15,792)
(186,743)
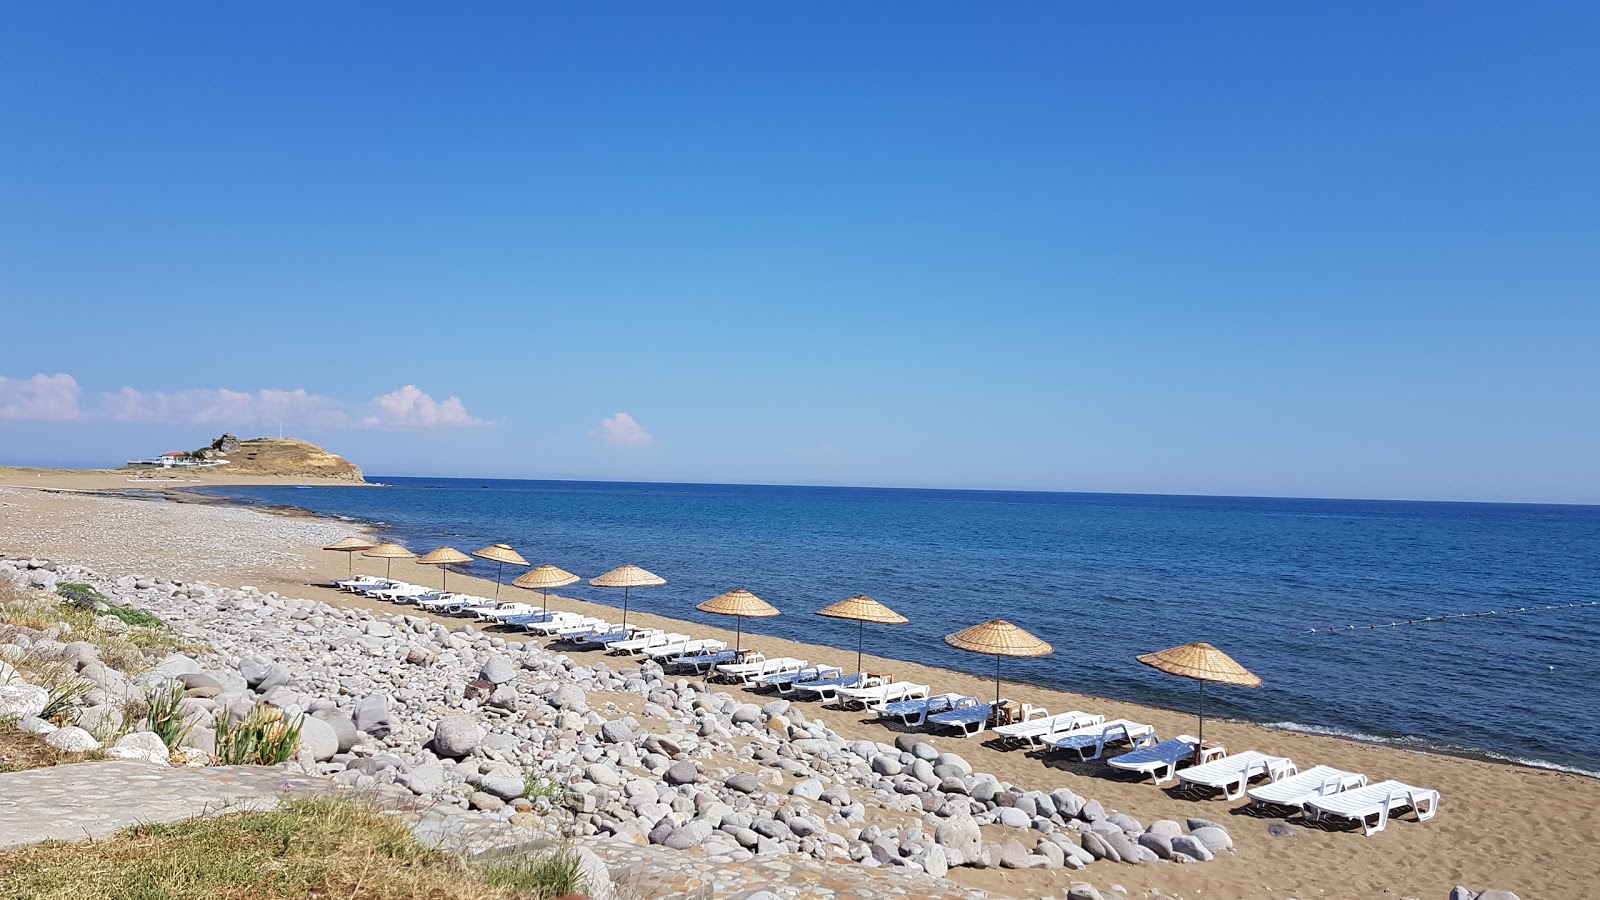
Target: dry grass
(130,648)
(321,847)
(20,750)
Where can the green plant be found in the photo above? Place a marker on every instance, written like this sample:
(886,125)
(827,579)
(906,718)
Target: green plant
(556,872)
(264,738)
(535,786)
(138,618)
(165,702)
(80,595)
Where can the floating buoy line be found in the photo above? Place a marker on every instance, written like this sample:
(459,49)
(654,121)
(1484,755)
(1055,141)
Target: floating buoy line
(1450,617)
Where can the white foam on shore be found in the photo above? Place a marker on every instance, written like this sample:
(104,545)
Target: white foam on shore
(1470,752)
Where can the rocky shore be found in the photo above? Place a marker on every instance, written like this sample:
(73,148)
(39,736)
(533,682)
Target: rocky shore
(509,731)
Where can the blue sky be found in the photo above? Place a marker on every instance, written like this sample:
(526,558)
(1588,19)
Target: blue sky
(1347,250)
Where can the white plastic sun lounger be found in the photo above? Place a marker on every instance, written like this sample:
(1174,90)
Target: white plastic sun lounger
(496,613)
(785,682)
(751,672)
(364,581)
(966,715)
(1161,761)
(1091,741)
(1375,801)
(570,628)
(557,622)
(1295,791)
(915,712)
(748,660)
(1037,725)
(878,695)
(1231,774)
(685,648)
(645,640)
(826,688)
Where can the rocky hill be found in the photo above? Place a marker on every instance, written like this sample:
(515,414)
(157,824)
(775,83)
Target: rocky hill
(288,457)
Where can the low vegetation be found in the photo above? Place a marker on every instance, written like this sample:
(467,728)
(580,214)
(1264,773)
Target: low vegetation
(163,704)
(322,847)
(264,738)
(129,644)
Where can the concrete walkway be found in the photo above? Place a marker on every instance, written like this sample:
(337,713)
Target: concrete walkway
(92,800)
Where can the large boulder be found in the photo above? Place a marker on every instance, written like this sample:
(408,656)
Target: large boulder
(960,834)
(498,670)
(504,781)
(683,772)
(1215,837)
(570,697)
(18,700)
(318,738)
(372,715)
(456,736)
(72,739)
(343,728)
(141,745)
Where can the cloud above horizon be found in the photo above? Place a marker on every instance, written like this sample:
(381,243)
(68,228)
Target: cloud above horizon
(621,430)
(59,398)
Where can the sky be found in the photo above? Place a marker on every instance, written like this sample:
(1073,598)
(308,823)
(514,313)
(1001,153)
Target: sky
(1332,250)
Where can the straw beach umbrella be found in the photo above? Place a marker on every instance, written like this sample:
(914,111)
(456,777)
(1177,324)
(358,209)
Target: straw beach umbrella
(740,603)
(444,558)
(502,554)
(543,579)
(863,609)
(389,552)
(627,577)
(348,546)
(998,638)
(1203,663)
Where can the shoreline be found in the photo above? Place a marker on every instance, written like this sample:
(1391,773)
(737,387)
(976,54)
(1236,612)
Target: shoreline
(1478,839)
(190,494)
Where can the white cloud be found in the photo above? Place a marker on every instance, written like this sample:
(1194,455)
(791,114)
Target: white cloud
(43,398)
(410,407)
(621,430)
(54,398)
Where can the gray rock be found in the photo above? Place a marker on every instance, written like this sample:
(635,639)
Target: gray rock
(1098,848)
(34,725)
(141,745)
(775,708)
(603,774)
(744,783)
(498,670)
(1165,828)
(277,676)
(1159,844)
(810,789)
(885,765)
(426,780)
(570,697)
(1012,817)
(684,772)
(99,719)
(770,828)
(1463,893)
(503,781)
(1092,811)
(1126,822)
(18,700)
(951,759)
(1186,845)
(1197,824)
(318,738)
(747,714)
(72,739)
(1128,850)
(961,834)
(485,801)
(372,715)
(1052,852)
(1278,829)
(343,728)
(1215,837)
(1067,804)
(254,669)
(616,732)
(200,681)
(933,861)
(1084,892)
(456,736)
(1013,855)
(1498,895)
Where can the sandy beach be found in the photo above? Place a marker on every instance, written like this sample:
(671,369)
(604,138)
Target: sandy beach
(1500,826)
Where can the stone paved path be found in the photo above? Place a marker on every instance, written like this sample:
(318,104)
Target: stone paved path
(92,800)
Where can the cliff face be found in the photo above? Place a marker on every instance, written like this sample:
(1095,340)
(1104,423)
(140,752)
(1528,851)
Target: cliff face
(288,457)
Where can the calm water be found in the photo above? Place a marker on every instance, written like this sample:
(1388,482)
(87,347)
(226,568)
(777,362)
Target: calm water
(1104,577)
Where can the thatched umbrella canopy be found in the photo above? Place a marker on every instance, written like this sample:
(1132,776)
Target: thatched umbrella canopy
(348,546)
(502,554)
(863,609)
(998,638)
(739,603)
(627,578)
(388,552)
(543,579)
(1203,663)
(444,558)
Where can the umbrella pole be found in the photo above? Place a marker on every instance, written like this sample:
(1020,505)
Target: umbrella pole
(1202,716)
(388,569)
(624,609)
(738,634)
(861,633)
(997,679)
(498,574)
(350,567)
(544,609)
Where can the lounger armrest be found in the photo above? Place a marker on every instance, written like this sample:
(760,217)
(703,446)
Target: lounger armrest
(1214,752)
(1280,768)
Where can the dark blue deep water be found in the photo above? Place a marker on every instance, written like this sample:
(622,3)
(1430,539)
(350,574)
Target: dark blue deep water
(1105,577)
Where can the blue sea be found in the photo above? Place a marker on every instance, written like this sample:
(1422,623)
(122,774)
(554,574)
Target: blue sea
(1105,577)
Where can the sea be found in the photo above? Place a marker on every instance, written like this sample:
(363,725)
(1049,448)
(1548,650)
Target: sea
(1465,628)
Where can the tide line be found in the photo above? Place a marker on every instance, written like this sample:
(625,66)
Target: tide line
(1450,617)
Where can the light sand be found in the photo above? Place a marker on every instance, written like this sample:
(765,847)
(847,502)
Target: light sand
(1500,826)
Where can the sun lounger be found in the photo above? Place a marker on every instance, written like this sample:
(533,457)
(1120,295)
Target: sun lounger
(871,697)
(824,689)
(1295,791)
(1231,774)
(752,671)
(1375,801)
(585,627)
(1090,742)
(552,623)
(785,681)
(684,648)
(503,611)
(364,581)
(915,712)
(646,639)
(603,638)
(1161,761)
(967,715)
(532,618)
(1035,729)
(702,660)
